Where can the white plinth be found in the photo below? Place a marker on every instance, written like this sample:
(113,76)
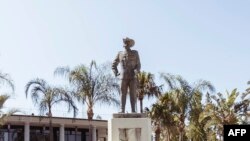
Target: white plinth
(129,123)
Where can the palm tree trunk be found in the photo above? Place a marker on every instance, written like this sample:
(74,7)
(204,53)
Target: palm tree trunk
(90,114)
(50,130)
(50,126)
(168,134)
(181,127)
(181,136)
(157,133)
(181,132)
(90,131)
(141,105)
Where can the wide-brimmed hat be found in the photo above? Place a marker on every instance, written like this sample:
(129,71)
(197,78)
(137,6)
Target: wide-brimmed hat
(129,42)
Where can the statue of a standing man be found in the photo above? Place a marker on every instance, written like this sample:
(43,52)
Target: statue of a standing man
(130,65)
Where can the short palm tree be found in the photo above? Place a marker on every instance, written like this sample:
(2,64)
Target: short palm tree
(163,118)
(46,96)
(195,129)
(184,96)
(4,115)
(91,85)
(146,87)
(223,111)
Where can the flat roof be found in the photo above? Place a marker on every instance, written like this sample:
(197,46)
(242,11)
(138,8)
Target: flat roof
(56,121)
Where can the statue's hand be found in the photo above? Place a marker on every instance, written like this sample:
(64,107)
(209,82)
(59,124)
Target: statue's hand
(117,74)
(136,72)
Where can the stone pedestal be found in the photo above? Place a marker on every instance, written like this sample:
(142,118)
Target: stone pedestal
(130,127)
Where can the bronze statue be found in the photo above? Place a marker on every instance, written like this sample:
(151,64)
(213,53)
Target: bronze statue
(130,65)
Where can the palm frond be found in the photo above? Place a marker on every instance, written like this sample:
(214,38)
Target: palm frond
(93,64)
(169,79)
(205,85)
(35,93)
(42,84)
(79,75)
(242,106)
(62,71)
(43,106)
(232,97)
(183,83)
(7,114)
(62,95)
(108,99)
(3,99)
(5,79)
(147,86)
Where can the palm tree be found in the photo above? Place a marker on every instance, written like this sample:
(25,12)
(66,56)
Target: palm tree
(91,85)
(4,115)
(195,129)
(163,118)
(223,111)
(46,96)
(146,86)
(183,96)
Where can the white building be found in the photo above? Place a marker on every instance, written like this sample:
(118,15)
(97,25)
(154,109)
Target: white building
(35,128)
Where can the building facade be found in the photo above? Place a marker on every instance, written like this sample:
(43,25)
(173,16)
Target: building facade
(36,128)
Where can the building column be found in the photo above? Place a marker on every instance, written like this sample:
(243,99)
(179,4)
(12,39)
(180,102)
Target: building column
(27,131)
(7,135)
(94,133)
(62,134)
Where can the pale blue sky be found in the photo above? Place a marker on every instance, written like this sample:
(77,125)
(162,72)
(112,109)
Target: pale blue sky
(208,39)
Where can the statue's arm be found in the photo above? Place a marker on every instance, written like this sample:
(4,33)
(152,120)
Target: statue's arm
(115,64)
(138,63)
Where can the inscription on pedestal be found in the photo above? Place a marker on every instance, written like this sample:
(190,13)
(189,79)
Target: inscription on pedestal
(129,127)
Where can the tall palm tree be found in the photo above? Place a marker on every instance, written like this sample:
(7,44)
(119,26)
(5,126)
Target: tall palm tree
(91,85)
(46,96)
(184,96)
(146,86)
(223,111)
